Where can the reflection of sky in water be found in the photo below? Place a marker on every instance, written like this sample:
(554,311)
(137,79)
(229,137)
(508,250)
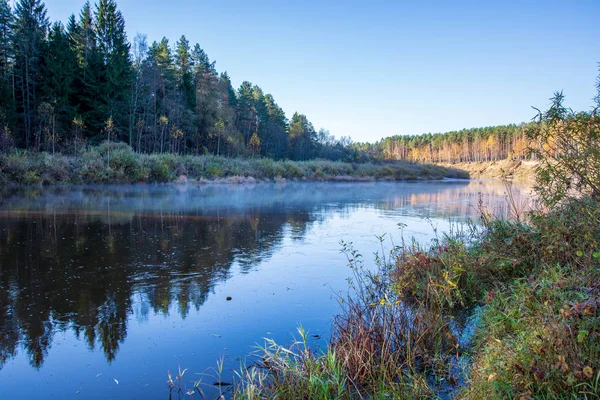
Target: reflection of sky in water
(139,275)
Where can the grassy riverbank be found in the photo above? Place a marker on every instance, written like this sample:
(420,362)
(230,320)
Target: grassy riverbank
(531,289)
(117,163)
(502,309)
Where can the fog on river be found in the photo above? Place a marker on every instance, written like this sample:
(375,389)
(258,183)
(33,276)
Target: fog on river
(107,284)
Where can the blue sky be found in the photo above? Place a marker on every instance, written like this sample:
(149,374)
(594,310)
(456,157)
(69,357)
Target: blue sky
(378,68)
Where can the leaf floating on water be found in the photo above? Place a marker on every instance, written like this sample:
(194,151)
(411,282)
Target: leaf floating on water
(116,381)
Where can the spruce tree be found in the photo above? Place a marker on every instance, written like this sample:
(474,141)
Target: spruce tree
(275,130)
(302,137)
(229,139)
(58,75)
(246,115)
(91,71)
(138,90)
(6,27)
(207,98)
(113,48)
(7,93)
(183,65)
(29,36)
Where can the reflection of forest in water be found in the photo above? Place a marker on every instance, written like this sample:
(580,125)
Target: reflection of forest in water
(79,258)
(461,201)
(50,279)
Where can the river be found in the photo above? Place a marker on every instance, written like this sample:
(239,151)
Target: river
(103,289)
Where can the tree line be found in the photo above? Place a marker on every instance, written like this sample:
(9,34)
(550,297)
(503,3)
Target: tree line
(62,87)
(476,144)
(492,143)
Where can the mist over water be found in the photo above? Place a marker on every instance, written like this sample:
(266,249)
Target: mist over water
(105,283)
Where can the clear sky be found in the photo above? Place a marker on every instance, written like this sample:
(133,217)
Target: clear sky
(372,69)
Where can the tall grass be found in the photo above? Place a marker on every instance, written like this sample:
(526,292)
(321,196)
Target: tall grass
(534,284)
(125,166)
(534,280)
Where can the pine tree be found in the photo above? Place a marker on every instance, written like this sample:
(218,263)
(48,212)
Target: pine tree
(114,48)
(7,92)
(6,27)
(161,82)
(275,130)
(58,75)
(83,37)
(87,86)
(30,30)
(246,114)
(228,89)
(229,139)
(302,137)
(183,65)
(207,97)
(138,90)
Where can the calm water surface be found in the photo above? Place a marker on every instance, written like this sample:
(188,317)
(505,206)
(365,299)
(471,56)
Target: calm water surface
(103,284)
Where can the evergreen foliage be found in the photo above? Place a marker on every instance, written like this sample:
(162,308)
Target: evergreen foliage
(61,86)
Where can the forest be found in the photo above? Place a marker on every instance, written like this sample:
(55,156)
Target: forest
(467,145)
(63,87)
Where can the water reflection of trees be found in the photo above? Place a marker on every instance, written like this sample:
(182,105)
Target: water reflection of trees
(459,201)
(73,271)
(90,259)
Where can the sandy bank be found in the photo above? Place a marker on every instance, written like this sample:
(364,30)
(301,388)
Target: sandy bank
(516,169)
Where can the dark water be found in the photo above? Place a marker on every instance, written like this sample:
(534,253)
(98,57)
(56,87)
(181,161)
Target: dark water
(100,285)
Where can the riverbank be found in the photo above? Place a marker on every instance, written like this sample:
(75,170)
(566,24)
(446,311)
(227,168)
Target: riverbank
(117,163)
(519,170)
(528,289)
(504,309)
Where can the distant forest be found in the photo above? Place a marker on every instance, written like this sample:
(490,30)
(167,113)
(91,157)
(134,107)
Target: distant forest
(477,144)
(65,87)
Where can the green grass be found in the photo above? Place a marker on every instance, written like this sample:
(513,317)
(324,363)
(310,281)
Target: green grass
(540,332)
(534,284)
(126,166)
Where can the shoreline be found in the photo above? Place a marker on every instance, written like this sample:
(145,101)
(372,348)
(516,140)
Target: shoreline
(519,170)
(118,164)
(485,320)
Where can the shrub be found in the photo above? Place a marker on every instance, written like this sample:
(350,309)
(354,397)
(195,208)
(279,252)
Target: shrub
(568,149)
(539,340)
(30,177)
(126,166)
(160,168)
(92,166)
